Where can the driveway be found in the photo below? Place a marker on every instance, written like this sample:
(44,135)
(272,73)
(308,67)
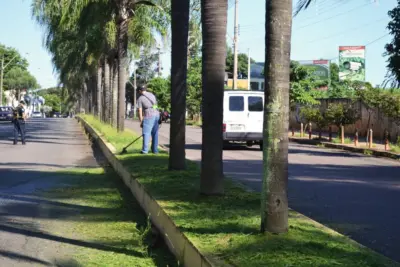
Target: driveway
(354,194)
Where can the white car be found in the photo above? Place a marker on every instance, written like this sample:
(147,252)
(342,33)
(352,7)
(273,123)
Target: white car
(243,117)
(37,114)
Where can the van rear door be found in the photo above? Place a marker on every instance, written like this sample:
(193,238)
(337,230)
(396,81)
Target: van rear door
(235,112)
(255,108)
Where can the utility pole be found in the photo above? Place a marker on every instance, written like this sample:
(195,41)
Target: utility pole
(1,80)
(235,46)
(248,69)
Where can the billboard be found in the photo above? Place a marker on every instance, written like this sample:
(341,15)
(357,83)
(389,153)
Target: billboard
(352,63)
(320,67)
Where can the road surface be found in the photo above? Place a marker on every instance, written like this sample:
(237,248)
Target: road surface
(355,194)
(25,236)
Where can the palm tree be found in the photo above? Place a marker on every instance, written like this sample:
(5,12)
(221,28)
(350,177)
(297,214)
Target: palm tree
(214,18)
(105,33)
(274,202)
(180,29)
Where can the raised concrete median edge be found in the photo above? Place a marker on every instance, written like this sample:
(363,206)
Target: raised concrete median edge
(361,150)
(177,242)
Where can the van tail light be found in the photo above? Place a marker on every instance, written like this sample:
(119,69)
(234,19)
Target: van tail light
(224,127)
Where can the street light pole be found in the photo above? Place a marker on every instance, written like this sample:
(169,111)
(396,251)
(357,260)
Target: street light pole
(1,80)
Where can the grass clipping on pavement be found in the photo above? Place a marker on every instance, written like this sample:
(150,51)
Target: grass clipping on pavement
(227,227)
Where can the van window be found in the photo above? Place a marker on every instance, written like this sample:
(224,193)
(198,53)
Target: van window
(236,103)
(255,103)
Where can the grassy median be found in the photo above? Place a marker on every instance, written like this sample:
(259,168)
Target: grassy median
(227,227)
(110,228)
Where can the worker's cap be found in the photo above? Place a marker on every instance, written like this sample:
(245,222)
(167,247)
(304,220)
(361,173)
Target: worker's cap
(142,88)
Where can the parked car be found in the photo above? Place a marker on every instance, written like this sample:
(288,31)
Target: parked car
(243,117)
(6,113)
(56,115)
(37,114)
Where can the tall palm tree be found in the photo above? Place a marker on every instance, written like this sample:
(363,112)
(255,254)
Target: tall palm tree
(274,202)
(213,20)
(180,32)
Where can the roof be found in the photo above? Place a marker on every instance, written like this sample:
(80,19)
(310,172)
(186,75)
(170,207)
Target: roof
(244,91)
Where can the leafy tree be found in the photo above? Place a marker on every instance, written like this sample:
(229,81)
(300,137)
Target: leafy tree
(19,79)
(160,87)
(393,48)
(315,116)
(194,83)
(243,61)
(341,115)
(8,54)
(146,67)
(53,101)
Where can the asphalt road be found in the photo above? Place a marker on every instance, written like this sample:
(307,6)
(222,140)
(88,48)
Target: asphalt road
(29,224)
(354,194)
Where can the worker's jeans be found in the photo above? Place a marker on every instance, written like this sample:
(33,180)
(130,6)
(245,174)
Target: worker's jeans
(150,128)
(19,128)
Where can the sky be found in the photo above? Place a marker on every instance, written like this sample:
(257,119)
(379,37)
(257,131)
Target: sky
(317,33)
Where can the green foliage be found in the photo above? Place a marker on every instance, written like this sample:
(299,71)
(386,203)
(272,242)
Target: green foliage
(146,67)
(393,48)
(18,78)
(12,58)
(387,101)
(53,101)
(194,84)
(242,63)
(161,88)
(315,116)
(340,114)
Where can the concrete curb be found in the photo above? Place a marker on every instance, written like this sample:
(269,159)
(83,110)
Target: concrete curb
(178,243)
(365,151)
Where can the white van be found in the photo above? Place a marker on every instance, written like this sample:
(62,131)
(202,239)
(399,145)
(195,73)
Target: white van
(243,117)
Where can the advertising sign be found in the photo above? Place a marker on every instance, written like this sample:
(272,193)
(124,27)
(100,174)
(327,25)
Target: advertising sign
(352,63)
(320,67)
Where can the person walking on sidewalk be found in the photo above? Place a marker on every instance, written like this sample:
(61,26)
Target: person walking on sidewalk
(148,117)
(19,119)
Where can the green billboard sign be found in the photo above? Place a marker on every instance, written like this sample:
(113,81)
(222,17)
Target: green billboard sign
(352,63)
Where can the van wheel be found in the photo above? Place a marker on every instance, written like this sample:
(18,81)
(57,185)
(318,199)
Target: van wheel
(261,145)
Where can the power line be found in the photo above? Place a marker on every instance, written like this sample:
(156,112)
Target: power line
(334,16)
(367,44)
(249,26)
(348,30)
(326,10)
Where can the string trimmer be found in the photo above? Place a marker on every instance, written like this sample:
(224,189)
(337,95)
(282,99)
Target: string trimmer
(124,150)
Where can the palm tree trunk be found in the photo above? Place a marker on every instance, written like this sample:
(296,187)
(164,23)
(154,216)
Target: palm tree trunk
(107,93)
(122,67)
(99,92)
(114,84)
(274,203)
(214,17)
(180,28)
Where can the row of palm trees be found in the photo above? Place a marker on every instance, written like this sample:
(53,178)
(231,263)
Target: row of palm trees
(92,41)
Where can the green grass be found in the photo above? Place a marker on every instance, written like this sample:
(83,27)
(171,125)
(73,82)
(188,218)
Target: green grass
(110,218)
(339,141)
(395,148)
(193,122)
(227,227)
